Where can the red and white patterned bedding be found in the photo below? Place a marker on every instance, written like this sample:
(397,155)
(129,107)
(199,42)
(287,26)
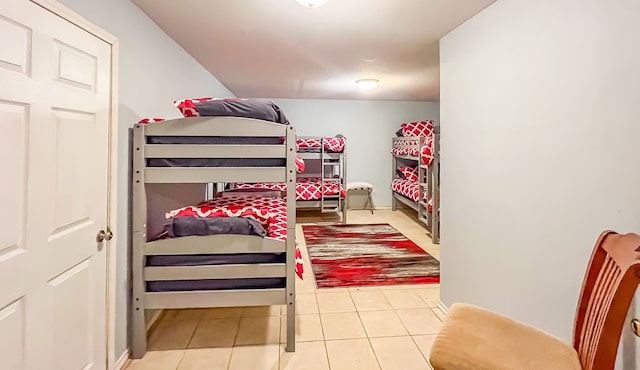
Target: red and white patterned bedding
(411,150)
(410,190)
(307,188)
(331,144)
(271,213)
(425,152)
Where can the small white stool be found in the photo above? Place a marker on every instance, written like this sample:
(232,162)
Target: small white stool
(362,186)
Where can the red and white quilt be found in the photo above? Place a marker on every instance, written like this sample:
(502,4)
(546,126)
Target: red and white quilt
(331,144)
(407,188)
(307,188)
(411,148)
(410,190)
(425,152)
(271,213)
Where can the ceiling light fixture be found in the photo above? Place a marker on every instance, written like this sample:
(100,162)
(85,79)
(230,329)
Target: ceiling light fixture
(312,3)
(367,83)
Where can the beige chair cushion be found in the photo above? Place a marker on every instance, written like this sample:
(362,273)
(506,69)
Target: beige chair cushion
(359,185)
(472,338)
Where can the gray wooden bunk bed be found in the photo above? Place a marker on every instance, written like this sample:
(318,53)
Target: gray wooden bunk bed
(329,167)
(428,181)
(228,158)
(325,169)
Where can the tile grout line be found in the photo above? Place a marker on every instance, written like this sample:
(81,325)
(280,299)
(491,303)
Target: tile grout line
(367,333)
(324,336)
(421,353)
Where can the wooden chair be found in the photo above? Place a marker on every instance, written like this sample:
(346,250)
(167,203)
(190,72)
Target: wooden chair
(472,338)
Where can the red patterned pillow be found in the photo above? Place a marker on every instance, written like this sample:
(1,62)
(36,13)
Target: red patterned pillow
(409,173)
(188,106)
(426,152)
(422,128)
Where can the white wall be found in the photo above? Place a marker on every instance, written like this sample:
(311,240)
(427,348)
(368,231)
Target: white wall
(154,71)
(368,127)
(539,111)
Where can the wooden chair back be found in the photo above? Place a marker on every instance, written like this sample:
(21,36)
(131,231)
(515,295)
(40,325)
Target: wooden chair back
(608,288)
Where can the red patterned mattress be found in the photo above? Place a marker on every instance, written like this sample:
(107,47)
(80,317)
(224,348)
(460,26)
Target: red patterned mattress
(410,190)
(271,213)
(331,144)
(307,188)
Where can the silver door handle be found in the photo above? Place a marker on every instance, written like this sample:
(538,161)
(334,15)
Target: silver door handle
(104,235)
(101,236)
(635,326)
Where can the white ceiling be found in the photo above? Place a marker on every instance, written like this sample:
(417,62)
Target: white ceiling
(280,49)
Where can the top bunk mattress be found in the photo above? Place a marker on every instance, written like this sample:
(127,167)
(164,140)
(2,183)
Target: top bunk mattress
(315,144)
(262,109)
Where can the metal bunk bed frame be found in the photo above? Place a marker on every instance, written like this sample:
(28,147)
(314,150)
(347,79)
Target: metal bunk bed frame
(429,180)
(331,161)
(213,244)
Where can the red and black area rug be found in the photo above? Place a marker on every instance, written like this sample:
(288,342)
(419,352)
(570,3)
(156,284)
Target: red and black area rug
(367,255)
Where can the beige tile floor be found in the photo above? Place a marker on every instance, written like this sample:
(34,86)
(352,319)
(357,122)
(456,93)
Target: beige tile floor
(339,328)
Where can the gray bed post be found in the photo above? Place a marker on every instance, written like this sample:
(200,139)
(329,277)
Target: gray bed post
(435,175)
(344,182)
(426,177)
(139,213)
(394,202)
(291,239)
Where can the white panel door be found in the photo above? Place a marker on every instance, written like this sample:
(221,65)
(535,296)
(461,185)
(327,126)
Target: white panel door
(54,137)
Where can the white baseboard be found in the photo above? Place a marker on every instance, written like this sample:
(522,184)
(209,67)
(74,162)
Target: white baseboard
(440,310)
(123,361)
(442,307)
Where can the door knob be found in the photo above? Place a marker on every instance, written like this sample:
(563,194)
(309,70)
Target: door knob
(104,235)
(101,236)
(635,326)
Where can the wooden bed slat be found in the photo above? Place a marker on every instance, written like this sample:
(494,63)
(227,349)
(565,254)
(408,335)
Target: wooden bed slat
(183,175)
(216,126)
(406,201)
(214,244)
(215,298)
(266,270)
(214,151)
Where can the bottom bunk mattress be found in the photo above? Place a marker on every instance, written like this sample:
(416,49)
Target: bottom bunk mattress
(307,188)
(271,213)
(260,216)
(411,190)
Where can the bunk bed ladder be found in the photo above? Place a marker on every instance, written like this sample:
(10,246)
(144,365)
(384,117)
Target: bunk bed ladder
(326,207)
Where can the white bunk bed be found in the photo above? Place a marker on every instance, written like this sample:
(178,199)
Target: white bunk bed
(281,169)
(424,196)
